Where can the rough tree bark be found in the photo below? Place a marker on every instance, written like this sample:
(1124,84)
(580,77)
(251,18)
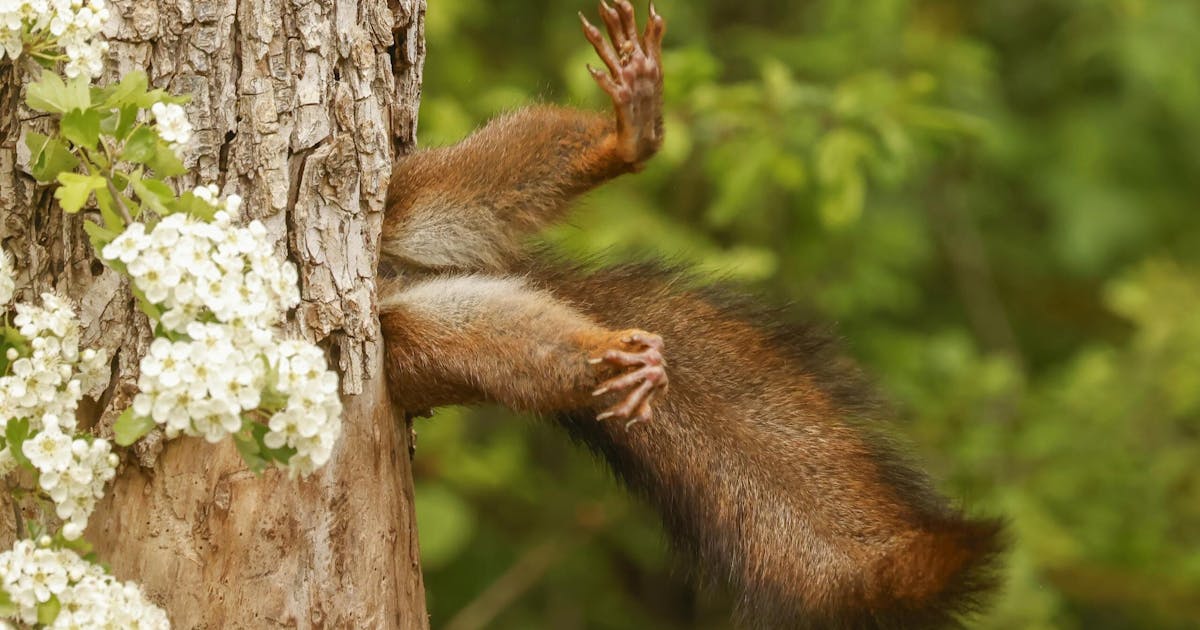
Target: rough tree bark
(300,107)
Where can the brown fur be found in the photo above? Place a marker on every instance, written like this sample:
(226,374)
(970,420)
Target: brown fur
(471,204)
(766,471)
(761,456)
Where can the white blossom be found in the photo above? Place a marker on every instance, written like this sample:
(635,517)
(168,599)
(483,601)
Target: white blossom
(7,282)
(46,381)
(310,421)
(74,26)
(172,124)
(49,451)
(88,597)
(191,269)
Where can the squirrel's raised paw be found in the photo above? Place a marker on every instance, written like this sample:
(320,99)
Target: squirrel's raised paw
(645,377)
(634,77)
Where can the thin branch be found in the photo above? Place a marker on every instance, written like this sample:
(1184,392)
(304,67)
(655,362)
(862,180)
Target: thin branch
(112,190)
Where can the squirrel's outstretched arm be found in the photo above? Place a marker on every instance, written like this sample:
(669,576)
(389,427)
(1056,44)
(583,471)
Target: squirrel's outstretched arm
(469,205)
(476,338)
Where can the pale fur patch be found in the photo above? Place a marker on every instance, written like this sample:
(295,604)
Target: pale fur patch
(455,299)
(451,238)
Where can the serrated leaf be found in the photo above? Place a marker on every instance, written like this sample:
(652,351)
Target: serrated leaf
(52,96)
(81,127)
(53,158)
(74,189)
(48,94)
(141,146)
(132,86)
(130,428)
(15,433)
(47,611)
(36,143)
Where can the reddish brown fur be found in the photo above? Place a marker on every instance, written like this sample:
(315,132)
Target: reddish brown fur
(760,457)
(511,178)
(765,471)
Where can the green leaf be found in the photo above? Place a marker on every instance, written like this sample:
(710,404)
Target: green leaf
(108,209)
(146,306)
(37,144)
(141,146)
(47,611)
(51,157)
(81,127)
(191,204)
(74,190)
(147,100)
(248,447)
(80,545)
(130,428)
(132,87)
(7,607)
(12,339)
(282,454)
(154,194)
(98,234)
(52,96)
(16,432)
(165,163)
(119,122)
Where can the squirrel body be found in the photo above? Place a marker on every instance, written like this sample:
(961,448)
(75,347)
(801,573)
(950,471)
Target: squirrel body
(757,454)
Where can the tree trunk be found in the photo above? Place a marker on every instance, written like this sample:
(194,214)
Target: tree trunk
(300,107)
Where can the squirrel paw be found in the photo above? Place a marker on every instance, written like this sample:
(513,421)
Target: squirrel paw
(644,383)
(634,78)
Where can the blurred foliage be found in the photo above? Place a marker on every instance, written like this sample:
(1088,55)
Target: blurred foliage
(997,201)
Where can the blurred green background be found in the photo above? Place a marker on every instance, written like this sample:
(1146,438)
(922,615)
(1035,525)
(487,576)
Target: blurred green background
(998,203)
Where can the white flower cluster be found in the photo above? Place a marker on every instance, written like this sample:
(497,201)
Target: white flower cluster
(48,383)
(311,420)
(72,472)
(44,388)
(7,282)
(88,597)
(214,376)
(202,386)
(75,25)
(172,124)
(191,267)
(205,386)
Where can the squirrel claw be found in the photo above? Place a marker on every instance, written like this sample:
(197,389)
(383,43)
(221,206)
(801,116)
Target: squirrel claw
(644,383)
(634,77)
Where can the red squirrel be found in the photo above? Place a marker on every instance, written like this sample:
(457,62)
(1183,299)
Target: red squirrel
(750,438)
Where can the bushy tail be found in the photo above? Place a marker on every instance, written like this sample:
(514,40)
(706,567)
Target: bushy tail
(941,574)
(766,464)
